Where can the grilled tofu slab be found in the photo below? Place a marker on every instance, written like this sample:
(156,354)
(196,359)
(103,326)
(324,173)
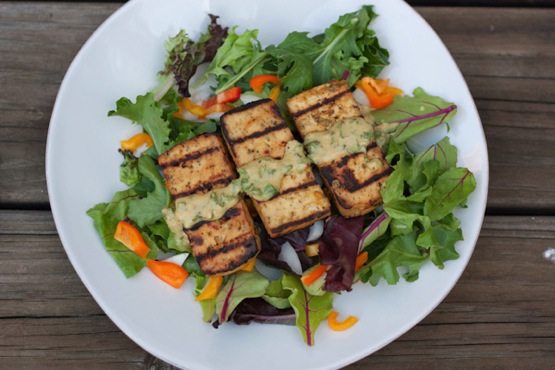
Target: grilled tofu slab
(316,109)
(354,179)
(256,131)
(223,246)
(193,169)
(197,165)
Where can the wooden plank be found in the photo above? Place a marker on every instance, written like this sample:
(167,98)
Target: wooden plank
(507,56)
(500,314)
(488,3)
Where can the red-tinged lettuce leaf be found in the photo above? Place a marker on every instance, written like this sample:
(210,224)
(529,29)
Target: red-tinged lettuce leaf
(185,55)
(377,228)
(411,115)
(310,310)
(240,286)
(338,248)
(258,310)
(450,190)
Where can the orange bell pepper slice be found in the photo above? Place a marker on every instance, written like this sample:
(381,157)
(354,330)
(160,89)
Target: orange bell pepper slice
(362,258)
(257,82)
(340,325)
(227,96)
(195,109)
(136,141)
(249,266)
(274,93)
(131,237)
(378,92)
(211,288)
(170,273)
(314,275)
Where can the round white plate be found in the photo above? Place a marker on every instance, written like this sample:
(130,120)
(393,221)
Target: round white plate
(121,59)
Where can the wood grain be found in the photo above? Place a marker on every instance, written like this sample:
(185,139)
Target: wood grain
(507,56)
(500,314)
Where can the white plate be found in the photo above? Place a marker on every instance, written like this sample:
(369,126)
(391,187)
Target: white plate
(121,59)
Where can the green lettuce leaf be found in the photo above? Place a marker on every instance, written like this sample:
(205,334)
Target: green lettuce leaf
(106,217)
(400,252)
(149,209)
(240,286)
(440,239)
(146,112)
(349,45)
(418,198)
(301,61)
(293,57)
(235,59)
(310,311)
(129,169)
(450,190)
(411,115)
(276,295)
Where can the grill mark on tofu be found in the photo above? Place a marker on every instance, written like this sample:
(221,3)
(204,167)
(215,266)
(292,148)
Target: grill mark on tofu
(249,250)
(350,182)
(234,244)
(189,157)
(340,171)
(257,134)
(305,220)
(228,215)
(247,106)
(205,187)
(325,101)
(293,190)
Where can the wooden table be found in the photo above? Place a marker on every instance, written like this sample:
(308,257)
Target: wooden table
(501,314)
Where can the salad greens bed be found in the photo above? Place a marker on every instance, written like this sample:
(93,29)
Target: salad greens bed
(414,225)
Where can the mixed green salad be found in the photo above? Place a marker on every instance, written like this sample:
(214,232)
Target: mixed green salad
(223,69)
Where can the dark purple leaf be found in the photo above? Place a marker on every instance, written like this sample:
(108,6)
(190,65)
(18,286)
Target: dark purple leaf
(346,74)
(258,310)
(271,247)
(215,38)
(185,57)
(338,248)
